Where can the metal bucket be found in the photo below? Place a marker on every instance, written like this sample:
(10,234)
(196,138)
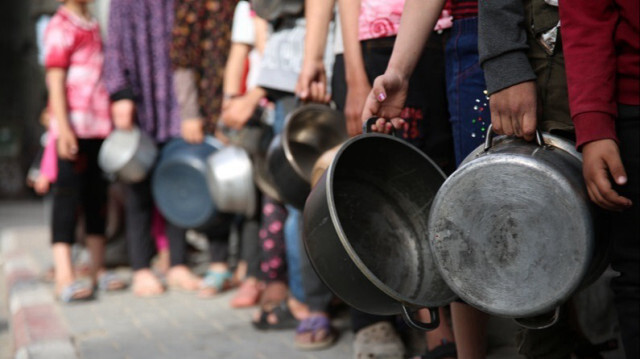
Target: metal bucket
(232,176)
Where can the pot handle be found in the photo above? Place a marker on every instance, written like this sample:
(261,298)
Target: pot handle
(488,142)
(366,127)
(435,320)
(540,322)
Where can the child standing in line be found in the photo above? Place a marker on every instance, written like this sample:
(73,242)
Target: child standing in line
(79,109)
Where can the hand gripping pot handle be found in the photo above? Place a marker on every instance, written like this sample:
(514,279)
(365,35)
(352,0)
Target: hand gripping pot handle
(488,142)
(366,127)
(408,318)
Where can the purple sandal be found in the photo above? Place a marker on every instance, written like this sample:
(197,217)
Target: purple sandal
(315,324)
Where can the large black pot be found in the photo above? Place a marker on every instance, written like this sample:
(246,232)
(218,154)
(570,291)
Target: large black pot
(182,183)
(309,131)
(365,228)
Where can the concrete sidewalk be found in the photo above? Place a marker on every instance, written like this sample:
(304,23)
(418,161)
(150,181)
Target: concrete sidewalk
(120,325)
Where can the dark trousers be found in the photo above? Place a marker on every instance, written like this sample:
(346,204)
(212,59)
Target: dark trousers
(624,235)
(80,185)
(138,214)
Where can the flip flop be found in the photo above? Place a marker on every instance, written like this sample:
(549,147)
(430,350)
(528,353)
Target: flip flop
(314,325)
(110,281)
(214,283)
(284,318)
(69,294)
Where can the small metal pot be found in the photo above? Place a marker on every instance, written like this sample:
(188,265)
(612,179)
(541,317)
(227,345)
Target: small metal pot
(365,225)
(232,186)
(182,183)
(512,230)
(127,155)
(309,131)
(262,177)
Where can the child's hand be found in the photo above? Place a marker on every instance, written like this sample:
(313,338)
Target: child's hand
(599,159)
(67,145)
(386,100)
(192,130)
(123,112)
(41,185)
(237,112)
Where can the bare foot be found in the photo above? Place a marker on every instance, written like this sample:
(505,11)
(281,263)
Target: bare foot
(162,263)
(146,284)
(181,277)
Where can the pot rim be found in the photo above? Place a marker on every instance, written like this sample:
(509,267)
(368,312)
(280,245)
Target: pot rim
(342,236)
(285,136)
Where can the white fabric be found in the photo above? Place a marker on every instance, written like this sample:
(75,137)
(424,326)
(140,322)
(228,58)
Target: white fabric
(243,31)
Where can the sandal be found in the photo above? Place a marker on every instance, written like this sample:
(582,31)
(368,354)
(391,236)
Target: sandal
(285,319)
(445,350)
(110,281)
(71,293)
(214,283)
(247,295)
(315,325)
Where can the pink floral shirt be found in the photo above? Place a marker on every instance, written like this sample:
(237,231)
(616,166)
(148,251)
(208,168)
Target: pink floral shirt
(381,18)
(74,44)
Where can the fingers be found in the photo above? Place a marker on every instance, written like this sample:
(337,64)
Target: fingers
(528,126)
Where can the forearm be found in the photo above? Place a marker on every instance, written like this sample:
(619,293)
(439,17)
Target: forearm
(234,69)
(590,58)
(56,78)
(353,62)
(186,93)
(318,15)
(418,20)
(502,44)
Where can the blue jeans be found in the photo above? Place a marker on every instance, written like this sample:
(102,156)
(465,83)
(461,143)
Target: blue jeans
(468,102)
(292,224)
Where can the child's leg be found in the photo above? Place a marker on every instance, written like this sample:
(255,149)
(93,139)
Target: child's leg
(64,219)
(94,202)
(218,277)
(179,275)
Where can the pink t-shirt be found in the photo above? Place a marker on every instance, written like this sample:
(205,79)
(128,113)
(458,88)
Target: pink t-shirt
(74,44)
(381,18)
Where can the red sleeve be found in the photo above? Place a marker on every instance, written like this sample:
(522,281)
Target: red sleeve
(587,29)
(58,45)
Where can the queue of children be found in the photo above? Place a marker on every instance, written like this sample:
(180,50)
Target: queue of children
(440,72)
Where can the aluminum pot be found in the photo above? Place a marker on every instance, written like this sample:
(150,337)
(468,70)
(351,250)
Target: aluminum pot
(309,131)
(182,183)
(262,177)
(512,230)
(365,225)
(233,189)
(127,155)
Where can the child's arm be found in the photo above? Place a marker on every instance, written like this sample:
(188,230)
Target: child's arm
(389,91)
(312,82)
(358,85)
(67,143)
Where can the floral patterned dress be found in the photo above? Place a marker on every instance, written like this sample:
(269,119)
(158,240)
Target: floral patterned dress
(201,42)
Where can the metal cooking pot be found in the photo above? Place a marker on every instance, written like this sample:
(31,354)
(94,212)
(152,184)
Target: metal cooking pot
(309,131)
(182,183)
(262,177)
(365,226)
(127,155)
(233,189)
(512,230)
